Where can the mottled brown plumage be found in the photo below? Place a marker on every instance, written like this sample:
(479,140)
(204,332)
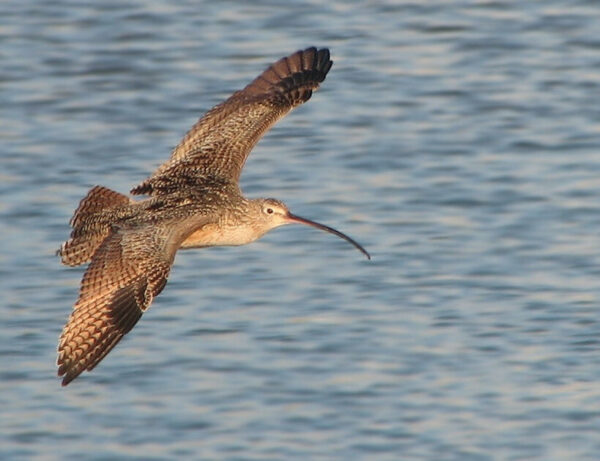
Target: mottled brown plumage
(195,201)
(221,140)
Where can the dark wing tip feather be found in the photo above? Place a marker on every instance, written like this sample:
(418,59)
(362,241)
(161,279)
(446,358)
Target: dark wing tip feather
(293,78)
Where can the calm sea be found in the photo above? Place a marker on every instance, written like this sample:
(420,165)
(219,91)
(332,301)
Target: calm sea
(458,141)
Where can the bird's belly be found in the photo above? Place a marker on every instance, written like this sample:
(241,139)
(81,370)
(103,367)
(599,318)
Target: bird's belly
(215,235)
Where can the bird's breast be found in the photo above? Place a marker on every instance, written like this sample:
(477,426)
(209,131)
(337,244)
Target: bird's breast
(215,234)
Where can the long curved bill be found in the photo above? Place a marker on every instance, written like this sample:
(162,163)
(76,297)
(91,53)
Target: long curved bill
(298,219)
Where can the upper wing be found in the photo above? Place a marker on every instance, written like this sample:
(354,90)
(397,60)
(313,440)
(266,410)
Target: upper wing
(127,271)
(219,143)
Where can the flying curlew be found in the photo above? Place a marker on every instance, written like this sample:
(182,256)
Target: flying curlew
(194,201)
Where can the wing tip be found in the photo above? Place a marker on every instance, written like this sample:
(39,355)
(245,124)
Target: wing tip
(68,372)
(295,76)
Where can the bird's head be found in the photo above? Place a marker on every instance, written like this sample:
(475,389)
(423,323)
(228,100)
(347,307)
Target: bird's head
(275,213)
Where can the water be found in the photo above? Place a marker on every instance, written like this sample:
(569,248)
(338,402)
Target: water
(457,141)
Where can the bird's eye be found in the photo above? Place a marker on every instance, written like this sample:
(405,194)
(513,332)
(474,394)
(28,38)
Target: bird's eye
(269,210)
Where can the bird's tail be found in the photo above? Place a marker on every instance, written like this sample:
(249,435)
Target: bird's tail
(91,223)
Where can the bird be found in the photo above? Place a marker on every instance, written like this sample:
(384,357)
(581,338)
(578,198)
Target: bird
(193,200)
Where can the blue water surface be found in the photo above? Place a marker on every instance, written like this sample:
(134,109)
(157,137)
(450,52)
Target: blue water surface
(459,142)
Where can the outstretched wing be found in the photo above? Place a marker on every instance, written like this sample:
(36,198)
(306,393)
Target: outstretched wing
(127,271)
(219,143)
